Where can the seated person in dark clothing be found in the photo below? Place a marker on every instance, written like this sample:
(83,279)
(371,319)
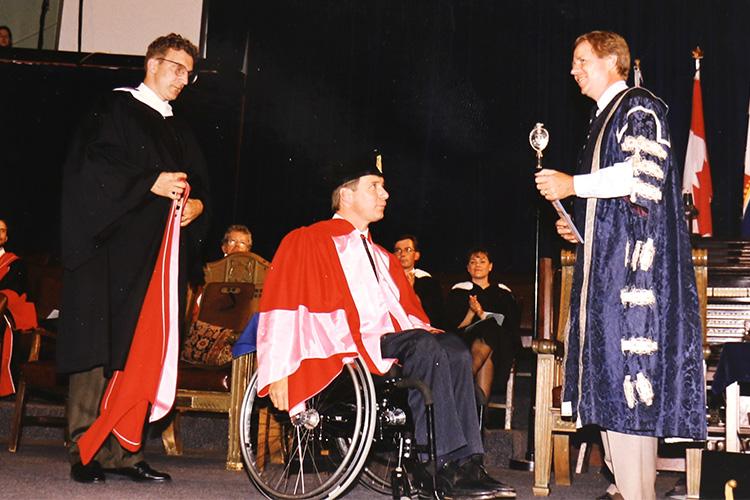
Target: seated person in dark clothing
(6,37)
(486,315)
(12,269)
(239,264)
(252,268)
(406,249)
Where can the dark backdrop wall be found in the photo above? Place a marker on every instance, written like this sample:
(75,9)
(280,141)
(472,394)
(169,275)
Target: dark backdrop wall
(41,103)
(447,90)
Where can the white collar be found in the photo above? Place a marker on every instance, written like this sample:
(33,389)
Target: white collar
(2,251)
(419,273)
(366,231)
(148,97)
(610,94)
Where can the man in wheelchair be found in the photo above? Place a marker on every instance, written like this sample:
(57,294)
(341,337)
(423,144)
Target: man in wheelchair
(332,295)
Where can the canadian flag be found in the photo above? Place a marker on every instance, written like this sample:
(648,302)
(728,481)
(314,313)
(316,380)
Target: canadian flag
(746,188)
(696,179)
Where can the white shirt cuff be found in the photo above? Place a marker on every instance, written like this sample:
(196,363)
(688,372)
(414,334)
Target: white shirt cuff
(609,182)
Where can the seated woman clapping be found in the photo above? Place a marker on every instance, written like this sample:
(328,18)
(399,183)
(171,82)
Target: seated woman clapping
(486,316)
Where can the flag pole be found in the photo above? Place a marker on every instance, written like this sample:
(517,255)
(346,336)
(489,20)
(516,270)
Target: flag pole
(696,179)
(698,55)
(637,75)
(691,211)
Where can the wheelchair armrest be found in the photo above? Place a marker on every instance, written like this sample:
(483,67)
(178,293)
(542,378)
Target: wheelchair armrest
(412,383)
(393,374)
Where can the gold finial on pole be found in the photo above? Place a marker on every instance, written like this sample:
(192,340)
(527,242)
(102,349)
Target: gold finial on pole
(697,55)
(637,75)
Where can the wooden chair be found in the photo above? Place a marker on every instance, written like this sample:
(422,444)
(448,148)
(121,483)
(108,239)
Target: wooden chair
(551,431)
(38,375)
(507,405)
(37,372)
(211,389)
(244,267)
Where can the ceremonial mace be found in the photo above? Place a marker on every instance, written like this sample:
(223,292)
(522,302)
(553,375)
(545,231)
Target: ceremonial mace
(538,139)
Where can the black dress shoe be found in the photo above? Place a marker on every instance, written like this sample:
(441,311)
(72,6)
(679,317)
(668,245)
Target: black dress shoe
(679,490)
(474,470)
(140,472)
(89,473)
(453,483)
(609,496)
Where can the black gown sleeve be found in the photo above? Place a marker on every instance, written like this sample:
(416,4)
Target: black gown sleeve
(194,236)
(101,183)
(498,300)
(428,290)
(456,307)
(15,278)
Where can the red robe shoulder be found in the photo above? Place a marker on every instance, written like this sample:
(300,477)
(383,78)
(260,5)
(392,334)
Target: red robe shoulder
(311,323)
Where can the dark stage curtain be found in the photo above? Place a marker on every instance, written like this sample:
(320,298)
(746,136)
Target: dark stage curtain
(449,91)
(42,99)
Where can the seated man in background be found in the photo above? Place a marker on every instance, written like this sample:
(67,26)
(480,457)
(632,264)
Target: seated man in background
(239,263)
(428,290)
(237,238)
(12,269)
(332,294)
(22,313)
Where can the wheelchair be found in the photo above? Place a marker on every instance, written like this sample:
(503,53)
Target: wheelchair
(357,428)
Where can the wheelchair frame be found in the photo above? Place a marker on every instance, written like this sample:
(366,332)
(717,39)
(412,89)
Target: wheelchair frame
(346,432)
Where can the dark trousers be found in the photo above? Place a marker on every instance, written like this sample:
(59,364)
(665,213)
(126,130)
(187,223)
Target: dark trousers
(443,362)
(84,397)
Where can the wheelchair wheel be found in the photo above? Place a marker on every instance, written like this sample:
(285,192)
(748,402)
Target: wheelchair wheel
(302,458)
(393,443)
(376,474)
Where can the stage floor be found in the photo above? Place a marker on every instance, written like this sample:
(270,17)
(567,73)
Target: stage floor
(41,471)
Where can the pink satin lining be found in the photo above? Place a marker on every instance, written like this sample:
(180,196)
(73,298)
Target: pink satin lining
(376,299)
(321,335)
(311,335)
(165,392)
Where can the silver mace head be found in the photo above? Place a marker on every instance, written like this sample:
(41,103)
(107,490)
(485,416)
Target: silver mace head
(539,138)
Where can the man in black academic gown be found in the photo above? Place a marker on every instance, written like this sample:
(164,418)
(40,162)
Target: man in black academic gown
(427,288)
(130,159)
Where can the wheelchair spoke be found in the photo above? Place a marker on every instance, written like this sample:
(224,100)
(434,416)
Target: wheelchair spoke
(301,472)
(286,459)
(289,460)
(315,463)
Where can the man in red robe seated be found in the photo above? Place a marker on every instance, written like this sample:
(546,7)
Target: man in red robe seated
(22,313)
(333,294)
(12,270)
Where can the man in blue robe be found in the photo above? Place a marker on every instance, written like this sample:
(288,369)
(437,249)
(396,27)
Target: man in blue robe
(634,347)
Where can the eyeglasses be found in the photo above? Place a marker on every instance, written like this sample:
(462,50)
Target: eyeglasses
(239,244)
(181,70)
(399,251)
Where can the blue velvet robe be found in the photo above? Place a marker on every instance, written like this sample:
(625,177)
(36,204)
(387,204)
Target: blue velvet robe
(634,360)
